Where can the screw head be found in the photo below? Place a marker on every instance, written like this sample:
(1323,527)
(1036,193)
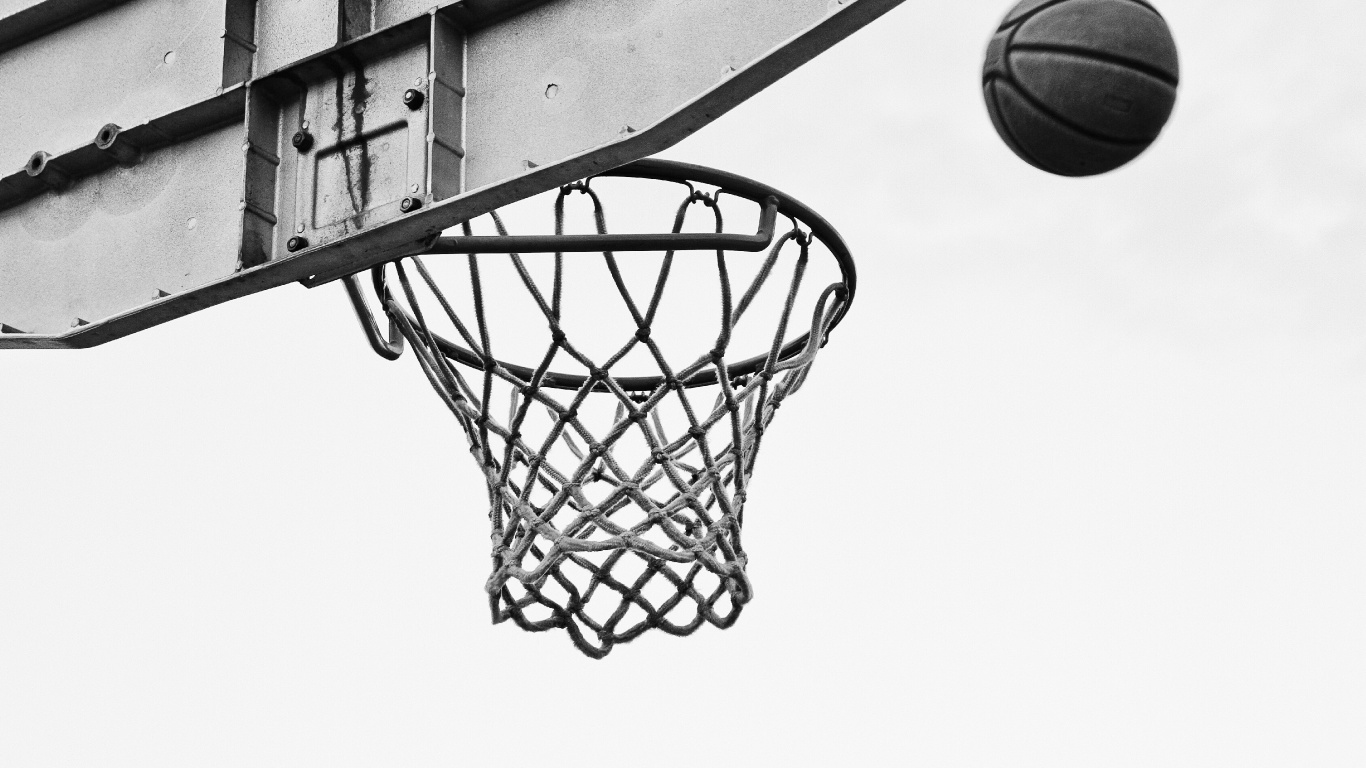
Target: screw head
(302,141)
(414,99)
(296,244)
(410,204)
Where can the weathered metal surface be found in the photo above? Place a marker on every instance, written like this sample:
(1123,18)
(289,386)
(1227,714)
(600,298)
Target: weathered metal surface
(370,151)
(570,76)
(508,98)
(123,239)
(135,62)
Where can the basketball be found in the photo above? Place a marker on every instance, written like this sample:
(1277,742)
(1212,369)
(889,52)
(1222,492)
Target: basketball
(1080,87)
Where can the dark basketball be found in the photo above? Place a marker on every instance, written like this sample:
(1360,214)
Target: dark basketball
(1080,87)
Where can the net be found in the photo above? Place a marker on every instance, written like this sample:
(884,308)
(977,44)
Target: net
(618,466)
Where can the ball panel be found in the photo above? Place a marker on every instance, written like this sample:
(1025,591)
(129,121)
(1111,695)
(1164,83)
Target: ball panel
(1048,144)
(998,122)
(1111,101)
(1117,29)
(995,65)
(1025,8)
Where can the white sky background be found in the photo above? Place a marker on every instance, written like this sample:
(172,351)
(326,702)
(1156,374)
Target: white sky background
(1077,483)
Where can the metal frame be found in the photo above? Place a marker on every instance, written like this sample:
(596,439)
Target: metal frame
(774,202)
(419,228)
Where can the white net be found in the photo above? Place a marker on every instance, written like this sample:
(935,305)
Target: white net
(618,463)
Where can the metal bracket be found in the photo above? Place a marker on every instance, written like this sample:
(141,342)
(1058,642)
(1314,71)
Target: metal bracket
(392,349)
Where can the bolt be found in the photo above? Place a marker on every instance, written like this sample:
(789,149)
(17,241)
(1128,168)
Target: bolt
(302,141)
(414,98)
(296,244)
(410,204)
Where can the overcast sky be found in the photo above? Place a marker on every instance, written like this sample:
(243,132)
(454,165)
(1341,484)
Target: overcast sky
(1079,481)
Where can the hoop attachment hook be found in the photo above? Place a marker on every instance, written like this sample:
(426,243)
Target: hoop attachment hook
(390,349)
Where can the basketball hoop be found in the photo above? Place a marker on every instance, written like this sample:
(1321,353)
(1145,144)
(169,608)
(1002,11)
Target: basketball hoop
(617,496)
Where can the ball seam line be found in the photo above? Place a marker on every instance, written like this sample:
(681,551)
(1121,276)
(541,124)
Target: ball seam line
(1094,55)
(1048,112)
(1029,15)
(1010,136)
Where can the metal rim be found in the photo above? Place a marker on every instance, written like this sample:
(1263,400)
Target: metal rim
(683,173)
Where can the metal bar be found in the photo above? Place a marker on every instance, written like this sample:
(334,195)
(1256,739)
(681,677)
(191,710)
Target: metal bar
(89,159)
(672,241)
(392,349)
(40,18)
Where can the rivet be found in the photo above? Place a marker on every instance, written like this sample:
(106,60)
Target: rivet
(40,168)
(302,141)
(296,244)
(110,139)
(409,204)
(413,98)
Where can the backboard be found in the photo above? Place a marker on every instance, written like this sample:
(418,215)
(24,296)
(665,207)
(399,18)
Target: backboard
(158,157)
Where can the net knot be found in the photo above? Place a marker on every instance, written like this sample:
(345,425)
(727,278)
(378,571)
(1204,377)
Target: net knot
(558,336)
(643,333)
(489,363)
(697,433)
